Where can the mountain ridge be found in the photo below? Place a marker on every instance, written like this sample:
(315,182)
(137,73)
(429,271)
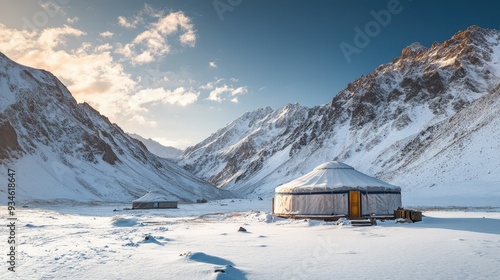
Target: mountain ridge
(157,148)
(368,124)
(62,150)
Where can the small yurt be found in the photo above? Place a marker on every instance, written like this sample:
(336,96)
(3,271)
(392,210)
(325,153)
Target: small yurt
(335,188)
(154,200)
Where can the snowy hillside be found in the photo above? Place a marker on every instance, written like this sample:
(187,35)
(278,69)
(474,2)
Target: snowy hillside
(427,121)
(63,150)
(157,148)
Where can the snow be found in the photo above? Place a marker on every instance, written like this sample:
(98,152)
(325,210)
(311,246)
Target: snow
(416,46)
(157,148)
(153,197)
(78,241)
(333,175)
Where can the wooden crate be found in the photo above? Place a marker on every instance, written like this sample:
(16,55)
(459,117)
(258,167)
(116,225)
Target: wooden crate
(415,216)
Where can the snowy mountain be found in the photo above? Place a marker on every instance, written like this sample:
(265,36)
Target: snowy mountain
(157,148)
(427,121)
(63,150)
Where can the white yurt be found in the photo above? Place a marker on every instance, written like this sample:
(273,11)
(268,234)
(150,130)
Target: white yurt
(153,200)
(335,188)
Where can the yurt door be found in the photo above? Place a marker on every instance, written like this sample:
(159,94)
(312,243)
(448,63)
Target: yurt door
(354,204)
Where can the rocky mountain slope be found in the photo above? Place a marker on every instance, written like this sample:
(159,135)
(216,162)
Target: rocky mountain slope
(157,148)
(427,121)
(63,150)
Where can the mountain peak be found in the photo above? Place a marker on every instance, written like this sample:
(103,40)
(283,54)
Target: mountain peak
(412,50)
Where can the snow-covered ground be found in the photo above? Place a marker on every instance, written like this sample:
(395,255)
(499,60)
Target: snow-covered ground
(94,242)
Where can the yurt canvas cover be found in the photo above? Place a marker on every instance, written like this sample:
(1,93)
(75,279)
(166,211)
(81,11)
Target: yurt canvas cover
(153,200)
(335,188)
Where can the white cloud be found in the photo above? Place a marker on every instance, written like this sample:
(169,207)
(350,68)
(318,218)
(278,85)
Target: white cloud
(49,38)
(141,120)
(212,64)
(144,57)
(222,93)
(208,86)
(150,11)
(240,90)
(103,48)
(152,43)
(106,34)
(129,23)
(52,8)
(72,20)
(136,20)
(179,96)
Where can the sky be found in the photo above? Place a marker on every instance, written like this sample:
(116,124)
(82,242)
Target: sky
(178,70)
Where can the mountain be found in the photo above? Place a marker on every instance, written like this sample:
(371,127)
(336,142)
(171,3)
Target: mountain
(157,148)
(427,121)
(61,150)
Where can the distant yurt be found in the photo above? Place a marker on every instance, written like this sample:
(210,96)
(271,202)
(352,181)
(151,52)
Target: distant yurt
(335,188)
(154,200)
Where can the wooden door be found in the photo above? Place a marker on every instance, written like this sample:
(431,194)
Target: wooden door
(354,204)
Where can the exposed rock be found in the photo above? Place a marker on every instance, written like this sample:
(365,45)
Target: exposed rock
(8,140)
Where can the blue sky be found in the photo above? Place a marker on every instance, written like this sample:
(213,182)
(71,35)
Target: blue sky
(176,71)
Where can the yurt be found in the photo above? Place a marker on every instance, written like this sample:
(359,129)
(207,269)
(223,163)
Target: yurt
(337,189)
(154,200)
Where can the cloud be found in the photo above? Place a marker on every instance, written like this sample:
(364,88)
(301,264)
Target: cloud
(208,86)
(52,8)
(106,34)
(90,72)
(72,20)
(153,43)
(179,96)
(103,48)
(222,93)
(49,38)
(129,23)
(212,64)
(143,121)
(139,18)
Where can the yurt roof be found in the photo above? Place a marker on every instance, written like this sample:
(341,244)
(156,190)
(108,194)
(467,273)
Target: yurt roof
(154,197)
(331,176)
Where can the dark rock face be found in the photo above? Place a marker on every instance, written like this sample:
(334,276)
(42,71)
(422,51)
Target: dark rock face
(8,141)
